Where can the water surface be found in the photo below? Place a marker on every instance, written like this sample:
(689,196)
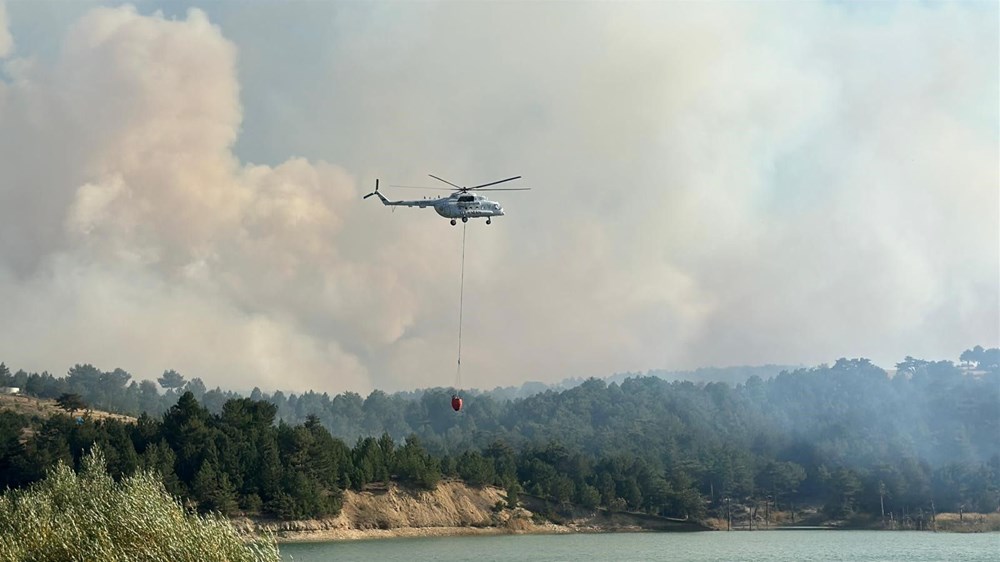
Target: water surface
(765,546)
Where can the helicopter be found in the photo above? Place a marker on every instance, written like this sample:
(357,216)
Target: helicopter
(461,204)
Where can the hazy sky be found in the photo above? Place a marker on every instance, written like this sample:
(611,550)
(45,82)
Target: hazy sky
(714,184)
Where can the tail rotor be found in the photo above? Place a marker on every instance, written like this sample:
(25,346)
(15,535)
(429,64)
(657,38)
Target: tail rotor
(374,192)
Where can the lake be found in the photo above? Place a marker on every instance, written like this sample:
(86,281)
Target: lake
(763,546)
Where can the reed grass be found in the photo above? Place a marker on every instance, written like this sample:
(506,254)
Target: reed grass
(968,522)
(88,517)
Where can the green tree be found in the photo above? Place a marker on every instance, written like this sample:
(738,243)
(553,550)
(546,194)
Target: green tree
(588,496)
(84,380)
(12,427)
(187,429)
(415,466)
(159,459)
(780,479)
(475,469)
(149,398)
(171,379)
(196,387)
(843,486)
(71,403)
(112,388)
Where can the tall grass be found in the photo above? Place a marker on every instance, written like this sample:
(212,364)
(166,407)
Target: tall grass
(90,517)
(968,523)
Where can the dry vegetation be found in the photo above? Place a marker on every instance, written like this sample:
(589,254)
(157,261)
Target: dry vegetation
(943,522)
(968,522)
(42,408)
(70,517)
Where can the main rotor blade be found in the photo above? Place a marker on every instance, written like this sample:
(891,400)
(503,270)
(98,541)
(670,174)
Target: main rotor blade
(495,182)
(505,189)
(423,187)
(446,181)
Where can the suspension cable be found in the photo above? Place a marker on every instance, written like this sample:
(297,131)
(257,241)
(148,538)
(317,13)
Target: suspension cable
(461,304)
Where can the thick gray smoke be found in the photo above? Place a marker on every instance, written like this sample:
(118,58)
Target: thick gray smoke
(6,41)
(714,184)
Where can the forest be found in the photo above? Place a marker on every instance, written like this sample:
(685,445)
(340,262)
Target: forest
(848,438)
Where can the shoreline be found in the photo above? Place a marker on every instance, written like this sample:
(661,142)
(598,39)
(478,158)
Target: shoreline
(454,509)
(330,531)
(346,535)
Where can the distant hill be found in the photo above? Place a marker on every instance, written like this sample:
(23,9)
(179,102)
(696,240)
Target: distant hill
(729,375)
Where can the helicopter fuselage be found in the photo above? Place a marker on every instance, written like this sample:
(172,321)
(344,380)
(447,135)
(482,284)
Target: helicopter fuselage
(462,204)
(467,206)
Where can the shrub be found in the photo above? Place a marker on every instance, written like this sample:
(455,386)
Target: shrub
(89,516)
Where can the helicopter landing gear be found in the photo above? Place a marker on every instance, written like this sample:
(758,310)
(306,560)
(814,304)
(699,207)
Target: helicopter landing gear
(452,222)
(465,219)
(488,221)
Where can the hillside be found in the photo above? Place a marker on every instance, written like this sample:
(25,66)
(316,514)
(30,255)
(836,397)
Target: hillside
(846,438)
(379,509)
(453,508)
(44,408)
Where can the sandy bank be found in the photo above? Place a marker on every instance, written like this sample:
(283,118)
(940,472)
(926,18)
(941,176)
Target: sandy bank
(452,509)
(394,511)
(408,532)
